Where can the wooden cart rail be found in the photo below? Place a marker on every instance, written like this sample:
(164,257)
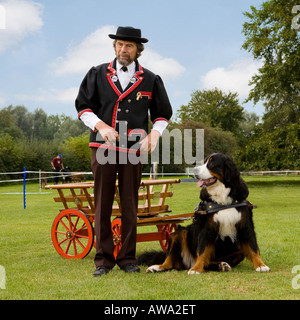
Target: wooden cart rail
(151,202)
(73,232)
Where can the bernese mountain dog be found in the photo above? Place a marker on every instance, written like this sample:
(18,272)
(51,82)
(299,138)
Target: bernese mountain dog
(222,232)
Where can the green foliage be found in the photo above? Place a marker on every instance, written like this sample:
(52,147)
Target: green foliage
(276,150)
(271,38)
(215,108)
(77,153)
(33,139)
(215,139)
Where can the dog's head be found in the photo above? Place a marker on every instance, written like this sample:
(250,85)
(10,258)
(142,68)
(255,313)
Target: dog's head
(221,168)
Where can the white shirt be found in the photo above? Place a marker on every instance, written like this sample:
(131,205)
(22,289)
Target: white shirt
(125,76)
(90,119)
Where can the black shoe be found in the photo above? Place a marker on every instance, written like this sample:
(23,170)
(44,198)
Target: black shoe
(130,268)
(100,271)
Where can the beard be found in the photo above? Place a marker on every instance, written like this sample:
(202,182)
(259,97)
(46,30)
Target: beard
(124,60)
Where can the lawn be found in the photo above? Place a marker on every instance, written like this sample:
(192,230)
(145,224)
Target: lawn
(34,270)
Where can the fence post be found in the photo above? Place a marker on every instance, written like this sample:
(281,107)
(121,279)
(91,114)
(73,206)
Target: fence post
(24,188)
(40,180)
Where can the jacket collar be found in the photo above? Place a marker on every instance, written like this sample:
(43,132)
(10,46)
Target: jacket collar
(115,84)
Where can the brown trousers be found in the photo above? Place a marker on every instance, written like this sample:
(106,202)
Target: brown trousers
(129,178)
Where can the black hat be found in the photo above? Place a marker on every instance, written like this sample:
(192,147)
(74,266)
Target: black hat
(129,34)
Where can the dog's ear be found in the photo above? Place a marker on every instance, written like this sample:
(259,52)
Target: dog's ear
(243,190)
(231,172)
(232,179)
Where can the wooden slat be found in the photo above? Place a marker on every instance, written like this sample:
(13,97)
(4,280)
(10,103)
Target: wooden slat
(154,201)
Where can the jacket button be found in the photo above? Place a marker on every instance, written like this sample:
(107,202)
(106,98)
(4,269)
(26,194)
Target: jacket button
(129,100)
(126,110)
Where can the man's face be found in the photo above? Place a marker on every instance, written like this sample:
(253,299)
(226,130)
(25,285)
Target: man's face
(125,51)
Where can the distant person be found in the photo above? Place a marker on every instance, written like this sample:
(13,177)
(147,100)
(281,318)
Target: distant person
(57,165)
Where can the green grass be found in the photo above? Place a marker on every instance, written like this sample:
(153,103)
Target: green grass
(34,270)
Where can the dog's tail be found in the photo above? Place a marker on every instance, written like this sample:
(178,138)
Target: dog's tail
(150,258)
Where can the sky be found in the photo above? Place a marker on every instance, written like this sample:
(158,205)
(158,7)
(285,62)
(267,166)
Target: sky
(47,47)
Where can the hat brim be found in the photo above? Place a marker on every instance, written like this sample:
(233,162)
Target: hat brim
(128,38)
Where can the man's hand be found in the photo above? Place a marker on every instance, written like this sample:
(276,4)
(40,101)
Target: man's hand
(109,134)
(148,144)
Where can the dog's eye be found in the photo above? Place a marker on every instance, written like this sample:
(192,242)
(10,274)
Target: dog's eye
(210,159)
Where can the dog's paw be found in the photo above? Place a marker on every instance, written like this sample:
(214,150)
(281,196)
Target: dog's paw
(263,269)
(154,268)
(224,267)
(191,271)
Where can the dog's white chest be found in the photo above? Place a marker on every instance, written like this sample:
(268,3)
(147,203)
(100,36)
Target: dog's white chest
(227,220)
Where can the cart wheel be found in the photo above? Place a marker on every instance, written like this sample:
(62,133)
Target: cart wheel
(72,234)
(116,228)
(167,230)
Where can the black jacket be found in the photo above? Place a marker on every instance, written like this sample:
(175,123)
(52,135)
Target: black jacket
(126,111)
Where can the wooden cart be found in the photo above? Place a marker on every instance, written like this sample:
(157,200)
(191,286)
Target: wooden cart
(73,232)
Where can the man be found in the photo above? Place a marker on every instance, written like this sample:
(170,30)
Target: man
(114,100)
(57,165)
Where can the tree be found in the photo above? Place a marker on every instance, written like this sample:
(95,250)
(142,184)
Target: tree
(77,154)
(276,150)
(271,38)
(8,125)
(215,108)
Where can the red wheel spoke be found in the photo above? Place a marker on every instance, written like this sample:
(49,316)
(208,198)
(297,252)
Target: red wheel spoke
(75,225)
(68,247)
(64,225)
(78,230)
(82,246)
(74,245)
(70,222)
(81,236)
(59,243)
(60,232)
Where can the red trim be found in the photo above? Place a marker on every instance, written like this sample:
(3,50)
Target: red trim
(160,119)
(141,132)
(109,76)
(114,118)
(103,146)
(146,94)
(83,111)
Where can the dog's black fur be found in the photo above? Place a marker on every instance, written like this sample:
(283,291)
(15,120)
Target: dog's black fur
(215,240)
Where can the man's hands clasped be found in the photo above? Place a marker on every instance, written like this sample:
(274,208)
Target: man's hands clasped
(110,136)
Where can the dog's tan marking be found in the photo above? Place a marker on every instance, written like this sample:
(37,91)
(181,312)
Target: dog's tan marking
(203,260)
(254,257)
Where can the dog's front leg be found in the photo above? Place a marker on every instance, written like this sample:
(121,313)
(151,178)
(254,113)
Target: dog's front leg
(203,260)
(167,265)
(254,257)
